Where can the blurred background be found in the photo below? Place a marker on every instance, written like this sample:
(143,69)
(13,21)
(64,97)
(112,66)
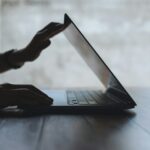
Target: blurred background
(118,29)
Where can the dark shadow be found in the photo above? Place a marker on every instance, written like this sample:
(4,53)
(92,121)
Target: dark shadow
(86,130)
(103,131)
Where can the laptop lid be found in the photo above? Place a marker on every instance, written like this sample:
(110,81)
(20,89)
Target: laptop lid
(94,61)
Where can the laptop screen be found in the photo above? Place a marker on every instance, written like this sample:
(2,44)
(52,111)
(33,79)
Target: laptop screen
(90,56)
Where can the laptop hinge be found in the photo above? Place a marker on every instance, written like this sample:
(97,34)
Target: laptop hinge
(119,94)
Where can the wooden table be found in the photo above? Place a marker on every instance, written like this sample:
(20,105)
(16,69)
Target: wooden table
(126,131)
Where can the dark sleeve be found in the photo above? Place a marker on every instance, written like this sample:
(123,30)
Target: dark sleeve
(4,62)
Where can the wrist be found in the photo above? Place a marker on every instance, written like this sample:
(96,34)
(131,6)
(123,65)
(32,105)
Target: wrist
(13,60)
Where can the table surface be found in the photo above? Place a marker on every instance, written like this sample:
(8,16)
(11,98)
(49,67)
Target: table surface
(125,131)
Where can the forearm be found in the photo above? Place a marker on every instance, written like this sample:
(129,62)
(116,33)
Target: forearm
(10,60)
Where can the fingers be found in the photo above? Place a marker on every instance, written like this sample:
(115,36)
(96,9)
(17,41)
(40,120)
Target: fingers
(50,25)
(50,30)
(57,29)
(24,95)
(28,97)
(6,85)
(31,88)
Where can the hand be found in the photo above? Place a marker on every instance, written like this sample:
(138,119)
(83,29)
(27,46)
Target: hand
(39,42)
(22,96)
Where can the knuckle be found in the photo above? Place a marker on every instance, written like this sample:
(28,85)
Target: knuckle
(52,23)
(30,85)
(7,85)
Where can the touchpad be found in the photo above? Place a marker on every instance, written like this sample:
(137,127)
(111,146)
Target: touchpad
(59,96)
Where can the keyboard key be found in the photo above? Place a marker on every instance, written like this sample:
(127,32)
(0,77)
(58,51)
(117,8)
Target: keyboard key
(81,98)
(83,102)
(74,101)
(87,97)
(71,94)
(92,102)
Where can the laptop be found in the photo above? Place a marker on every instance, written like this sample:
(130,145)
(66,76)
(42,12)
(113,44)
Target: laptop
(113,98)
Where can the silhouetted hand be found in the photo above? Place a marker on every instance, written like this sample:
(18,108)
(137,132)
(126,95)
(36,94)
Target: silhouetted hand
(22,96)
(39,42)
(28,95)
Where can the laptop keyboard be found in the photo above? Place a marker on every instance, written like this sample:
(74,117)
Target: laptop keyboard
(86,98)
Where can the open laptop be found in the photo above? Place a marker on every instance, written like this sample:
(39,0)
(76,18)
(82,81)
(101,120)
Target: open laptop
(114,98)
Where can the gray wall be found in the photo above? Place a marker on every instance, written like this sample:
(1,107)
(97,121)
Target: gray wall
(118,29)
